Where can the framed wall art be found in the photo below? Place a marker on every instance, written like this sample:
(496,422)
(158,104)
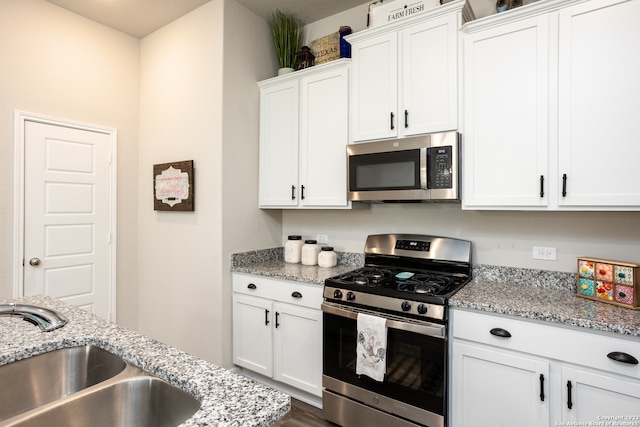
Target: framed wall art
(173,186)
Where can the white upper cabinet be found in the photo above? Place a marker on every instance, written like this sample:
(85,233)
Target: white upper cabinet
(599,111)
(304,130)
(405,76)
(324,130)
(279,132)
(374,89)
(550,107)
(506,112)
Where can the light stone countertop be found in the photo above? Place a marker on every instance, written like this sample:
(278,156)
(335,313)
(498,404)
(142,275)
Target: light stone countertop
(560,306)
(227,399)
(270,263)
(522,293)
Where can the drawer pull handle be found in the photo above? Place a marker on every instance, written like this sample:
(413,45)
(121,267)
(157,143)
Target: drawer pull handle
(499,332)
(619,356)
(251,286)
(296,294)
(569,402)
(542,387)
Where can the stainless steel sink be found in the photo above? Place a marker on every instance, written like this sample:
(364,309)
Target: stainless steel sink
(38,380)
(134,402)
(88,386)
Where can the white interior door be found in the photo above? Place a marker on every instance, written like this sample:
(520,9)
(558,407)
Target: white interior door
(67,215)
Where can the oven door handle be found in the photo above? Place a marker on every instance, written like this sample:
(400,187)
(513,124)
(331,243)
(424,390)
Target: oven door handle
(409,325)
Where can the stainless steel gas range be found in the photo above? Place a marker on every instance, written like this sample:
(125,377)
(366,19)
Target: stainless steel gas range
(405,284)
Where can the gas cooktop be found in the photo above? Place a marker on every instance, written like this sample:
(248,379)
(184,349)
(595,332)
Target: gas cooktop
(405,273)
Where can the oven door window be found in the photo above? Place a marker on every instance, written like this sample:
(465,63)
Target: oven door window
(395,170)
(415,364)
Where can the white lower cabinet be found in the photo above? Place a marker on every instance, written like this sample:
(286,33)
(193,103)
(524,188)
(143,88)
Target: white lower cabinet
(277,330)
(507,372)
(595,397)
(497,388)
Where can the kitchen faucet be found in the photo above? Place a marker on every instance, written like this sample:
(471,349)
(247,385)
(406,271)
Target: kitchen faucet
(46,319)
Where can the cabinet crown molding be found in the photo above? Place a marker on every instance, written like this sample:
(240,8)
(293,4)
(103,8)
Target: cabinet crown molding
(297,75)
(538,8)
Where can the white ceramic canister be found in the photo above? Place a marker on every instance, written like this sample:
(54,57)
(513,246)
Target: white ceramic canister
(293,249)
(327,257)
(310,251)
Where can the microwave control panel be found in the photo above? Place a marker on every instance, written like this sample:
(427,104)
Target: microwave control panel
(440,167)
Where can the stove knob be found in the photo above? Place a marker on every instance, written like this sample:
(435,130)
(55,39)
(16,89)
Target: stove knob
(422,309)
(406,306)
(351,296)
(337,294)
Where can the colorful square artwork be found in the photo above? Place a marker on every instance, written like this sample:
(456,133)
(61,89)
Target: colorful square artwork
(624,294)
(623,275)
(604,290)
(604,272)
(585,268)
(586,286)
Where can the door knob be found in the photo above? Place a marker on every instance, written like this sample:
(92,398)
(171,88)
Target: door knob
(34,261)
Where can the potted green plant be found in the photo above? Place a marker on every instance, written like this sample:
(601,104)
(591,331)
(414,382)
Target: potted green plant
(287,34)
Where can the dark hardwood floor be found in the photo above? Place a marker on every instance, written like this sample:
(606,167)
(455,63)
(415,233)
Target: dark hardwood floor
(303,415)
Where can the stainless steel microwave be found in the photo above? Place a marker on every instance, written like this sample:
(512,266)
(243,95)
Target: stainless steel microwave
(418,169)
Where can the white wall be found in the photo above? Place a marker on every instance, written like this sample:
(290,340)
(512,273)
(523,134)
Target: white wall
(56,63)
(499,237)
(180,119)
(199,101)
(248,58)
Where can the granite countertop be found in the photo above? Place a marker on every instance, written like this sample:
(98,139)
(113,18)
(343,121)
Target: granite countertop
(541,295)
(227,399)
(544,296)
(270,263)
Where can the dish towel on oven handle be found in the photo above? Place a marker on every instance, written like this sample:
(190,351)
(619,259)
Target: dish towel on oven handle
(371,347)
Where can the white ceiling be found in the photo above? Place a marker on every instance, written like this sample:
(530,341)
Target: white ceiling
(142,17)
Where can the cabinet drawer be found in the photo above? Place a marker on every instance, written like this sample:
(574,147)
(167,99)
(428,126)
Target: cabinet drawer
(302,294)
(577,346)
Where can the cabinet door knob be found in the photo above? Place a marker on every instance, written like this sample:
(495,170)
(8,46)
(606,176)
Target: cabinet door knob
(499,332)
(296,294)
(619,356)
(252,286)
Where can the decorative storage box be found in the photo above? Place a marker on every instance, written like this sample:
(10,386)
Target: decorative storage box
(326,49)
(614,282)
(385,11)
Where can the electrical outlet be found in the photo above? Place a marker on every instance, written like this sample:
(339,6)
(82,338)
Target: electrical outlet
(545,253)
(322,239)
